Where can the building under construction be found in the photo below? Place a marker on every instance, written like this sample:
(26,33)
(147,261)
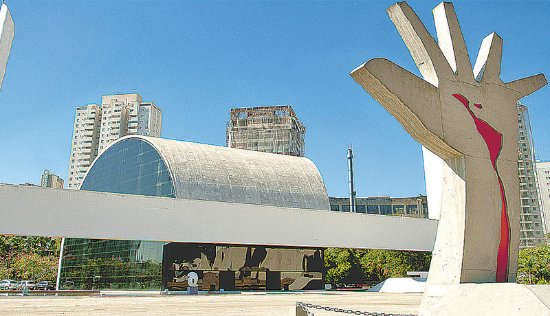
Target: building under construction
(272,129)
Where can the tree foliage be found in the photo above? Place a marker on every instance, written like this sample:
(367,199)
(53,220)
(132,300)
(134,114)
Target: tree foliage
(43,246)
(351,266)
(534,265)
(32,266)
(383,264)
(29,257)
(343,266)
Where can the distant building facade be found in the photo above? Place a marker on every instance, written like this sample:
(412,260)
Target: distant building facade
(531,220)
(84,144)
(149,120)
(50,180)
(543,174)
(384,205)
(272,129)
(96,127)
(127,114)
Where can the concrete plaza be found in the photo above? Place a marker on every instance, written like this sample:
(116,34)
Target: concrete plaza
(216,304)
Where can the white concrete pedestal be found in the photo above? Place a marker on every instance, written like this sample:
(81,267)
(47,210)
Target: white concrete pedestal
(486,299)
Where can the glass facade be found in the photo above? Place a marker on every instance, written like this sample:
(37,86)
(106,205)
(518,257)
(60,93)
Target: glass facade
(131,166)
(111,264)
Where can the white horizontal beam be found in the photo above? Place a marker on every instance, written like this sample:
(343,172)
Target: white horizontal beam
(69,213)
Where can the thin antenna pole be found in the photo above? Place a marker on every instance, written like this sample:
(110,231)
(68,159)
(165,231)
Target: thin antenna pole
(352,192)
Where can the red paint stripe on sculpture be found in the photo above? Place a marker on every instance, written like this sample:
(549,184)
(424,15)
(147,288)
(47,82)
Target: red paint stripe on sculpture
(493,139)
(504,245)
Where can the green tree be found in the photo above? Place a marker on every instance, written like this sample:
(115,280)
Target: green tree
(534,265)
(29,244)
(37,252)
(4,272)
(32,266)
(383,264)
(343,266)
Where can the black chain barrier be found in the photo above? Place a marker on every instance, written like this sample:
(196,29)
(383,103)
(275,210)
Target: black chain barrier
(306,308)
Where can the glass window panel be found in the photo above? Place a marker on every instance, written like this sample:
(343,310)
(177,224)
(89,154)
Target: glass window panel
(131,167)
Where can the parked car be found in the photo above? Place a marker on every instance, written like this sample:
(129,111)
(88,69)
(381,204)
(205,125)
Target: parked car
(68,285)
(29,284)
(8,285)
(45,285)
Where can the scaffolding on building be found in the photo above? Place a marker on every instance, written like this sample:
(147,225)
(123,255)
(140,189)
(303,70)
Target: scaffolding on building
(272,129)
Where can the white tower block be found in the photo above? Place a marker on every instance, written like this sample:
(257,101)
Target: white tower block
(6,38)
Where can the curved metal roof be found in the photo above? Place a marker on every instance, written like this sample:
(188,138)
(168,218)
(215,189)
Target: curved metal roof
(215,173)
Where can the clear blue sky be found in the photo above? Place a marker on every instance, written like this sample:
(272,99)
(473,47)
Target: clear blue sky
(197,59)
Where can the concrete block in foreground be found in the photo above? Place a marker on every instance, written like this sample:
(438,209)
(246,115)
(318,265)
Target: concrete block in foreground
(486,299)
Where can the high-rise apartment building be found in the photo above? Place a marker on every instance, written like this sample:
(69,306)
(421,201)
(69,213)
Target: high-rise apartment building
(50,180)
(531,220)
(272,129)
(84,145)
(96,127)
(116,111)
(543,175)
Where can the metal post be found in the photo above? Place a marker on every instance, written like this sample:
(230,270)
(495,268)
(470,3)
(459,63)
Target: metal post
(351,188)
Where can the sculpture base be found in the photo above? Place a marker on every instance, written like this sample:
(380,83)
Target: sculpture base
(486,299)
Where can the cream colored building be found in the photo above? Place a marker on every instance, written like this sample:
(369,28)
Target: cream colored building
(96,127)
(51,180)
(84,145)
(543,175)
(115,117)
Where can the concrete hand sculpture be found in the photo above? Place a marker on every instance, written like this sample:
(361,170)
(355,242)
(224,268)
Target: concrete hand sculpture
(467,117)
(6,38)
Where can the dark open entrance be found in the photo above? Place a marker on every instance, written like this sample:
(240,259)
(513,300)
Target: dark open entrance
(273,281)
(227,280)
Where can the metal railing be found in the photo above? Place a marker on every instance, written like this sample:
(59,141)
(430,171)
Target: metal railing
(305,309)
(49,292)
